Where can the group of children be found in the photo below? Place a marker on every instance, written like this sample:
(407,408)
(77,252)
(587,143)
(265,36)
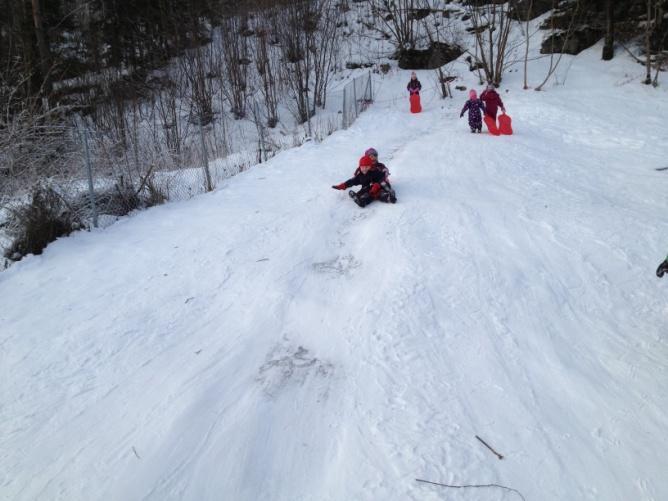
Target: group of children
(489,102)
(373,176)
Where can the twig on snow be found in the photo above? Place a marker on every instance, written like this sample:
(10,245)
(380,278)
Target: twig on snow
(472,486)
(489,447)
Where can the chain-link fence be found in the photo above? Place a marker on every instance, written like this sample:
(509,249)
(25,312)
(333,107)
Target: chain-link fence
(95,173)
(357,97)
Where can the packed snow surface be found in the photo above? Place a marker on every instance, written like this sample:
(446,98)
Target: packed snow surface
(273,341)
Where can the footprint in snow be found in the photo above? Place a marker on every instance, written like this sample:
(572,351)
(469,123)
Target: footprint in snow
(287,366)
(340,265)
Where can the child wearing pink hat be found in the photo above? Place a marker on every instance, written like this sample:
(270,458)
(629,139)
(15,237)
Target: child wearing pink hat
(475,107)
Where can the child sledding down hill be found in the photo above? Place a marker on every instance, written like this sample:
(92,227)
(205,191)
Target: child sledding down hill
(373,182)
(475,106)
(373,155)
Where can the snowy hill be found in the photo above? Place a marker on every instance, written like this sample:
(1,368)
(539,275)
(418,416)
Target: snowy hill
(272,340)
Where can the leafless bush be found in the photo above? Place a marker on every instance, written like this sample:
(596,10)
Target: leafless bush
(33,225)
(34,142)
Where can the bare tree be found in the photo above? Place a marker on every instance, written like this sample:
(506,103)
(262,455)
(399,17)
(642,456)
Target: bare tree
(295,26)
(527,38)
(609,40)
(43,46)
(234,50)
(654,19)
(566,36)
(195,66)
(325,48)
(266,66)
(491,27)
(399,19)
(168,104)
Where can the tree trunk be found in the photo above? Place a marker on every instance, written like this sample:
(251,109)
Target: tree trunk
(526,47)
(43,46)
(609,40)
(648,46)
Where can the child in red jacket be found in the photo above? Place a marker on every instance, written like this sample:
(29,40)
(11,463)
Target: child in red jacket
(374,186)
(492,101)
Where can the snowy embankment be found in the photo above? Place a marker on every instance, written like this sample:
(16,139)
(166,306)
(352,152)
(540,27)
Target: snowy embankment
(272,340)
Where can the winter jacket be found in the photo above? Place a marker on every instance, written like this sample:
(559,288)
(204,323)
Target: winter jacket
(492,101)
(378,166)
(475,118)
(366,180)
(414,86)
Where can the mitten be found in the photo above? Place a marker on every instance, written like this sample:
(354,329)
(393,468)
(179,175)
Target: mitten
(375,190)
(662,269)
(341,186)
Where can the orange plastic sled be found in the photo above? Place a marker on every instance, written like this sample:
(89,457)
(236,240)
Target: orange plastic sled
(416,107)
(505,126)
(491,125)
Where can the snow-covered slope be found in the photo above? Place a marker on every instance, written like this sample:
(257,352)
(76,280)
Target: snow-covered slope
(273,341)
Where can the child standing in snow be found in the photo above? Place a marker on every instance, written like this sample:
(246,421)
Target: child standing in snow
(492,101)
(474,105)
(414,86)
(374,186)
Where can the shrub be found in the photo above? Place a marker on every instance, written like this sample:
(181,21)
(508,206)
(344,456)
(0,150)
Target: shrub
(34,225)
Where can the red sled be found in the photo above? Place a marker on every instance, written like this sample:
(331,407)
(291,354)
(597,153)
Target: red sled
(491,125)
(416,107)
(505,126)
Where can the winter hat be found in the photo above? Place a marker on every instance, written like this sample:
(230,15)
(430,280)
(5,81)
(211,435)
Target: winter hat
(490,86)
(472,94)
(366,161)
(371,151)
(413,74)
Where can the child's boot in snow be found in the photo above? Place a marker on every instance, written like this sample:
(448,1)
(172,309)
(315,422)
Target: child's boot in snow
(359,200)
(662,269)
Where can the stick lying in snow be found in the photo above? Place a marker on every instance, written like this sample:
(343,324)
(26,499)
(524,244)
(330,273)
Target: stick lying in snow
(474,485)
(488,446)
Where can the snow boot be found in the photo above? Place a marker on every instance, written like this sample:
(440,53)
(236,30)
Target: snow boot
(356,198)
(662,269)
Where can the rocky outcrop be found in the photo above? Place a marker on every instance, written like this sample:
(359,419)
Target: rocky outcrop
(436,56)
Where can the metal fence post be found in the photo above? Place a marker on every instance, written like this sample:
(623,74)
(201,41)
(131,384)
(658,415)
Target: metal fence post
(205,158)
(344,125)
(357,111)
(370,87)
(91,189)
